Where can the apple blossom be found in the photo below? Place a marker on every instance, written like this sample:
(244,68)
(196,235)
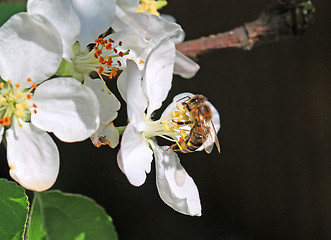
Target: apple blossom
(144,91)
(79,23)
(31,105)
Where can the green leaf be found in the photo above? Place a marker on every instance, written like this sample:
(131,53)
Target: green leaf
(14,208)
(56,215)
(9,9)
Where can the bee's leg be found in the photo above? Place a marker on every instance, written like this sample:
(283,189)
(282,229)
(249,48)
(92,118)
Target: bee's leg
(183,122)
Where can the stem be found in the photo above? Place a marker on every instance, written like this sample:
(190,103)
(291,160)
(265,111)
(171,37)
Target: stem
(282,19)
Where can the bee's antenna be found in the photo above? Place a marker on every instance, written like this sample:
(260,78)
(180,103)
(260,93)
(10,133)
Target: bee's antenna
(183,98)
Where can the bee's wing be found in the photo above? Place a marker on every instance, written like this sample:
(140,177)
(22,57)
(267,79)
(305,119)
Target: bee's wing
(211,139)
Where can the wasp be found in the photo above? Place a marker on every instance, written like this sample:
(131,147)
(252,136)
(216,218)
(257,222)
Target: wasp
(202,131)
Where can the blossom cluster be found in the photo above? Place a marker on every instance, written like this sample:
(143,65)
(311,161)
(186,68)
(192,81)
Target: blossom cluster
(47,59)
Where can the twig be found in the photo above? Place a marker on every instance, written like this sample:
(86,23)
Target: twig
(282,19)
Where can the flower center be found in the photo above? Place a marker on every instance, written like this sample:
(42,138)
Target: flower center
(104,58)
(151,6)
(14,102)
(173,127)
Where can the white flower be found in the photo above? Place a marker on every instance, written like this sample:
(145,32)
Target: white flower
(79,23)
(153,28)
(144,93)
(30,53)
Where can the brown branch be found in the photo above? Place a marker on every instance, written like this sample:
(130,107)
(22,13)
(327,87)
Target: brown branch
(282,19)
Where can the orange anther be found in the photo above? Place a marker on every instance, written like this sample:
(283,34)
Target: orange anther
(181,139)
(34,105)
(99,41)
(110,40)
(100,71)
(119,63)
(115,50)
(120,43)
(102,60)
(9,81)
(1,84)
(17,85)
(34,86)
(112,73)
(97,53)
(121,54)
(108,46)
(7,121)
(110,61)
(28,96)
(35,111)
(29,80)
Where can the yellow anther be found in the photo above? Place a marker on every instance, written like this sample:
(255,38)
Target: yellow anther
(182,111)
(19,113)
(3,100)
(174,114)
(182,133)
(149,6)
(19,107)
(166,128)
(1,84)
(165,122)
(178,106)
(19,95)
(25,105)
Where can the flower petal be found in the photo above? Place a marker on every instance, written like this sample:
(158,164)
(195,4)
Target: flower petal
(107,134)
(64,18)
(184,66)
(178,99)
(67,108)
(109,104)
(134,41)
(152,26)
(129,85)
(135,157)
(30,47)
(176,188)
(158,74)
(95,17)
(128,5)
(1,132)
(32,156)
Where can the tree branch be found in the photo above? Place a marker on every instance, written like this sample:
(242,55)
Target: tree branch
(282,19)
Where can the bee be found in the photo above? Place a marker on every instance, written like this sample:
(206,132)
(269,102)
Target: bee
(202,131)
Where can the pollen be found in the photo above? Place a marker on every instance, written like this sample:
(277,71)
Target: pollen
(3,100)
(2,84)
(19,107)
(19,113)
(19,95)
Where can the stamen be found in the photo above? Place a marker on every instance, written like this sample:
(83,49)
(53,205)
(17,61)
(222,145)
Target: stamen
(2,84)
(17,85)
(34,86)
(34,105)
(29,80)
(100,71)
(28,96)
(9,81)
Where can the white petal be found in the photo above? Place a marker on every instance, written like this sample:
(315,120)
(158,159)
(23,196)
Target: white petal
(109,104)
(152,26)
(1,132)
(139,47)
(129,86)
(95,17)
(107,134)
(32,156)
(184,66)
(67,108)
(176,188)
(178,99)
(30,47)
(135,157)
(64,18)
(128,5)
(158,74)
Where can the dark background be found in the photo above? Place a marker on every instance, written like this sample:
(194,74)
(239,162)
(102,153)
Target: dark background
(272,179)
